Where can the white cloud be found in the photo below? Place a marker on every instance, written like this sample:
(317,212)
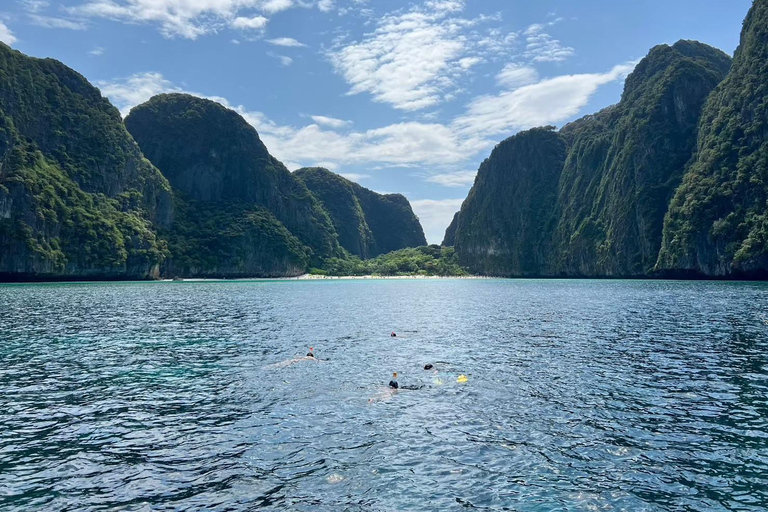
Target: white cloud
(285,60)
(52,22)
(517,75)
(407,60)
(273,6)
(534,29)
(408,143)
(331,122)
(402,144)
(183,18)
(445,5)
(541,47)
(127,93)
(354,176)
(6,35)
(468,62)
(96,51)
(434,145)
(254,23)
(497,43)
(34,5)
(235,41)
(286,41)
(454,179)
(549,101)
(417,58)
(435,215)
(325,5)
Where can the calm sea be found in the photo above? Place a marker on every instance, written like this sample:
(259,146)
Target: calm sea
(581,395)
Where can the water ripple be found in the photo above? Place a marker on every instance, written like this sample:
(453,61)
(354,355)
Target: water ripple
(582,395)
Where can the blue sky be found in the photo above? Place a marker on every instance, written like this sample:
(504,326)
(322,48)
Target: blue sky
(399,96)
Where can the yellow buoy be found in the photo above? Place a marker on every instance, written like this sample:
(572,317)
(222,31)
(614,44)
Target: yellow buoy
(462,379)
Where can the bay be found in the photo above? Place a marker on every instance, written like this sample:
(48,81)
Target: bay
(581,395)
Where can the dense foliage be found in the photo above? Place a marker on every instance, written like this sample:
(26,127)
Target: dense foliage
(625,163)
(240,212)
(209,153)
(71,123)
(231,239)
(431,260)
(339,198)
(590,200)
(77,198)
(62,229)
(718,220)
(368,223)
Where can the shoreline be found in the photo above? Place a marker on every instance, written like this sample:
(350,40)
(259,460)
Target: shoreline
(372,277)
(314,277)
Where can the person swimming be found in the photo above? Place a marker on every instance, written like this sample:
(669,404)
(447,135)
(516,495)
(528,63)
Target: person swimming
(393,383)
(428,366)
(309,357)
(393,335)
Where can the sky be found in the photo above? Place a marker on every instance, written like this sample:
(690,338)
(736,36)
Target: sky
(399,96)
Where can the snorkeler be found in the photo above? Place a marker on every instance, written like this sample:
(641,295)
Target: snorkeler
(393,335)
(309,357)
(392,389)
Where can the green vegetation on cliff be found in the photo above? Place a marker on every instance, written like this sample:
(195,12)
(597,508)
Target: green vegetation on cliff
(590,200)
(717,223)
(368,223)
(259,219)
(339,198)
(431,260)
(232,239)
(77,198)
(625,163)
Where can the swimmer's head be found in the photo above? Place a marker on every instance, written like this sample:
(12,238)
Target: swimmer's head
(311,353)
(428,366)
(394,375)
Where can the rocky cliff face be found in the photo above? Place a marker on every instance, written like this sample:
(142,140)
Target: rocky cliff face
(625,163)
(216,163)
(717,222)
(339,198)
(368,223)
(77,198)
(505,223)
(449,240)
(393,224)
(599,188)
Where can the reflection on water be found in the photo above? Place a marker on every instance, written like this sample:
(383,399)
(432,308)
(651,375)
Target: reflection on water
(581,395)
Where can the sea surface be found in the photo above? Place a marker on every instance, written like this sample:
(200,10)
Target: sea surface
(581,396)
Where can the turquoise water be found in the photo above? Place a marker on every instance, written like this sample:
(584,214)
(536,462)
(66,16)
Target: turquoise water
(582,395)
